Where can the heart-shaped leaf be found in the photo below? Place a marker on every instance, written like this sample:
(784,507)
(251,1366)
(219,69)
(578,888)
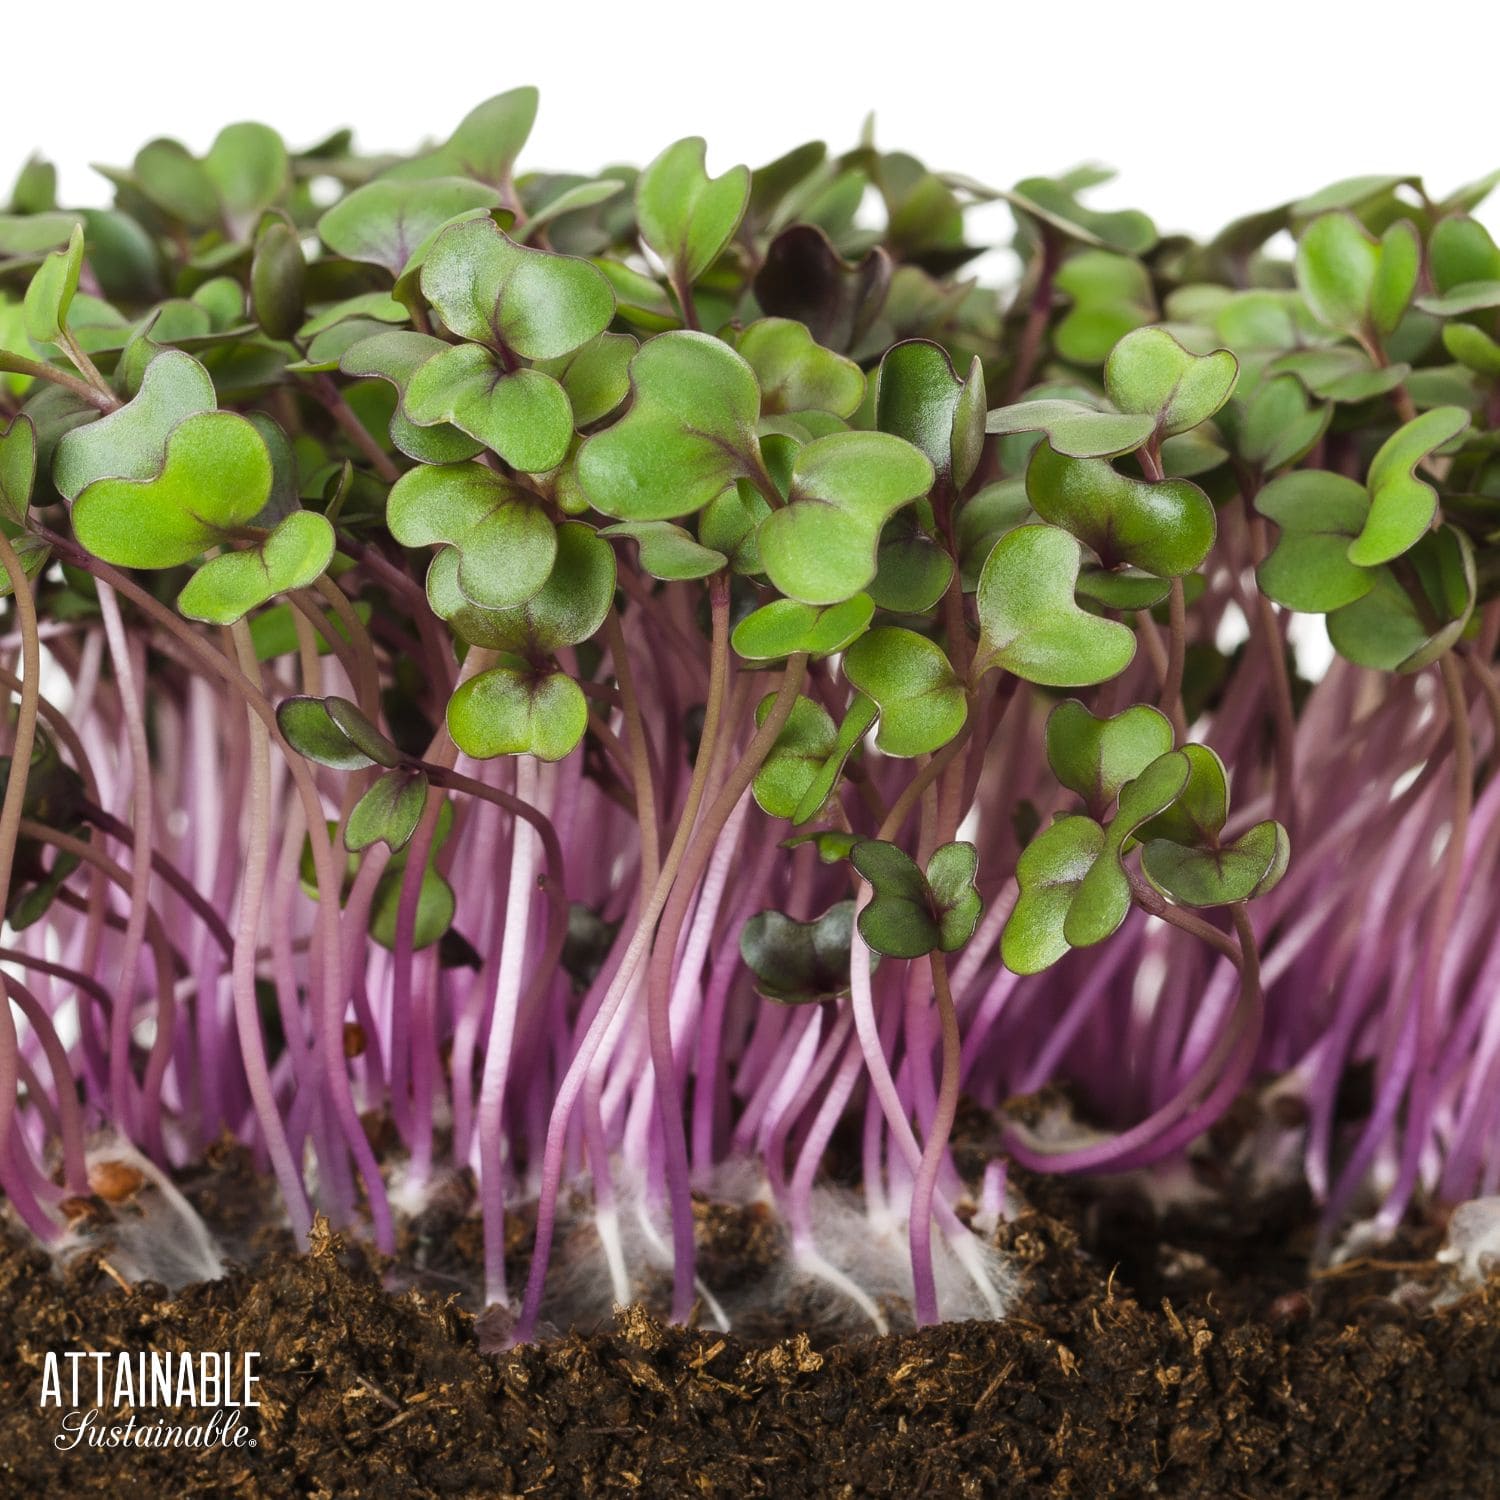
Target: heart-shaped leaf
(131,442)
(1390,630)
(1353,282)
(821,547)
(1055,204)
(52,289)
(1320,514)
(1073,428)
(1275,424)
(686,216)
(806,741)
(921,700)
(1031,624)
(523,415)
(1049,872)
(510,711)
(800,963)
(689,434)
(395,356)
(1149,373)
(1402,506)
(797,374)
(919,398)
(490,137)
(388,813)
(505,541)
(1096,757)
(216,477)
(912,570)
(1111,295)
(783,627)
(384,222)
(730,524)
(669,552)
(227,588)
(1165,527)
(1197,816)
(567,610)
(534,303)
(334,733)
(17,469)
(909,913)
(1219,876)
(861,714)
(596,376)
(1102,900)
(249,168)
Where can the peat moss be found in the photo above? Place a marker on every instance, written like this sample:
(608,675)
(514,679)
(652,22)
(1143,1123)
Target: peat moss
(1202,1363)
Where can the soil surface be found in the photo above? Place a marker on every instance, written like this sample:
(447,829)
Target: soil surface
(1150,1354)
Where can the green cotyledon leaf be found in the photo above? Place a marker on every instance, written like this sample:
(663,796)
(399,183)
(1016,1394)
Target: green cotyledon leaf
(216,477)
(797,374)
(131,442)
(17,469)
(920,398)
(1051,869)
(1320,514)
(1165,527)
(668,551)
(1219,876)
(911,913)
(510,711)
(1149,373)
(689,434)
(806,740)
(522,415)
(1102,900)
(505,539)
(1354,282)
(822,546)
(52,289)
(686,216)
(922,703)
(384,222)
(567,610)
(1030,622)
(334,733)
(1402,506)
(1095,757)
(1074,428)
(533,303)
(388,812)
(228,587)
(784,627)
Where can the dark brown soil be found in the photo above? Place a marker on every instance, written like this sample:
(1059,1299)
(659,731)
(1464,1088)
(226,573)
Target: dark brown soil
(1186,1357)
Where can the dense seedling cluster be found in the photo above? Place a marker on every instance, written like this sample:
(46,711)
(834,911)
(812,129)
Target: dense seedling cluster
(585,680)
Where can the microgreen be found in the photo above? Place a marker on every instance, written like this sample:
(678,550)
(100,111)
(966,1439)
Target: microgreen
(571,626)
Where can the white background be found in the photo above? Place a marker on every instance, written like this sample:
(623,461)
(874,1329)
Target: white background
(1207,110)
